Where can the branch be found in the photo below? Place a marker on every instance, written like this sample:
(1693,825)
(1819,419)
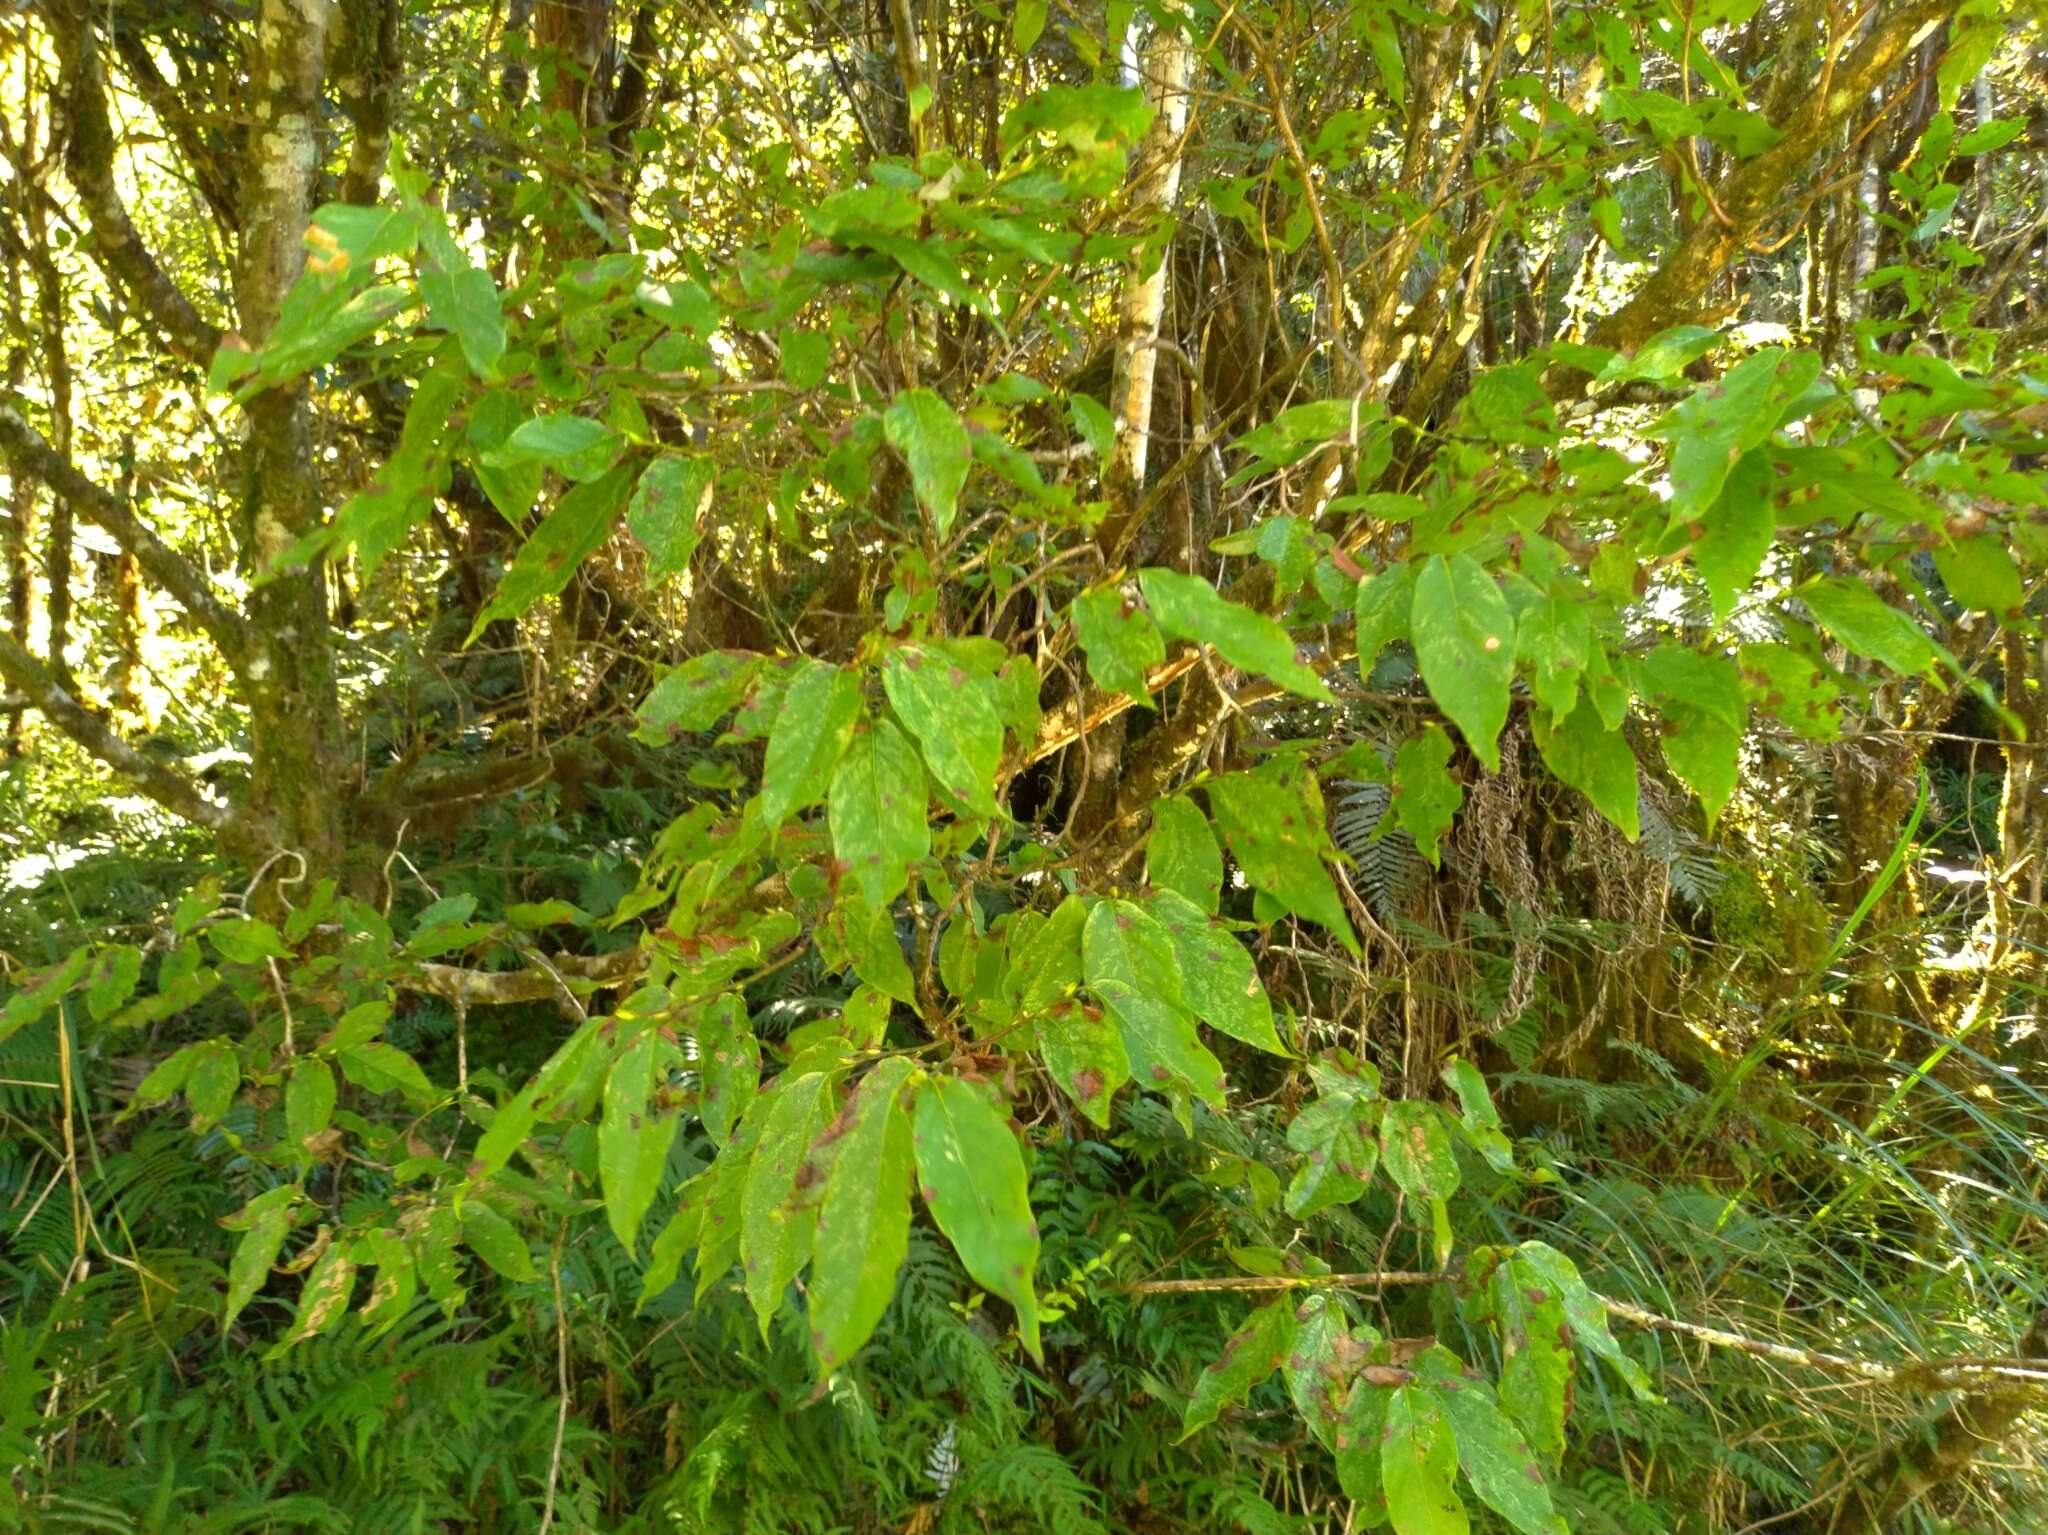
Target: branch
(30,453)
(2025,1374)
(89,160)
(369,64)
(201,145)
(180,795)
(546,981)
(1753,191)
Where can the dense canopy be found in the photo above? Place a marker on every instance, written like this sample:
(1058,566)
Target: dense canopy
(928,765)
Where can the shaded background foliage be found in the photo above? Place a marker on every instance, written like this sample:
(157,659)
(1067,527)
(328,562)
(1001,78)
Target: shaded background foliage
(1330,311)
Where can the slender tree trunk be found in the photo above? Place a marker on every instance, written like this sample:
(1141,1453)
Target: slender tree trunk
(56,360)
(1169,64)
(298,776)
(21,518)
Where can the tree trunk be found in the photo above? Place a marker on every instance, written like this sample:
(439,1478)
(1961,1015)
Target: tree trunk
(1169,63)
(298,777)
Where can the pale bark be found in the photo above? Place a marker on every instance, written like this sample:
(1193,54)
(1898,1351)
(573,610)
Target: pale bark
(1169,63)
(287,679)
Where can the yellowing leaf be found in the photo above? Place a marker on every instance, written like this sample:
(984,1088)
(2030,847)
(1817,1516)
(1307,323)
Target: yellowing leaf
(972,1176)
(1189,608)
(1416,1150)
(1219,983)
(878,811)
(324,1301)
(1254,1351)
(639,1124)
(949,711)
(1182,855)
(1465,645)
(1273,820)
(1418,1461)
(922,427)
(863,1230)
(775,1233)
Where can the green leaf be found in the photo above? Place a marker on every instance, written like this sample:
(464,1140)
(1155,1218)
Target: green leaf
(1737,534)
(1426,794)
(1182,855)
(1980,574)
(1416,1150)
(878,811)
(324,1300)
(1554,635)
(728,1065)
(494,1239)
(1084,1053)
(168,1076)
(1705,716)
(923,428)
(1872,629)
(1587,756)
(1027,22)
(1132,967)
(639,1125)
(247,941)
(1465,645)
(955,724)
(869,933)
(972,1176)
(1189,608)
(1585,1313)
(806,357)
(516,1118)
(1254,1351)
(111,980)
(811,730)
(1219,983)
(863,1230)
(249,1268)
(210,1083)
(1718,423)
(697,695)
(1120,640)
(1094,422)
(1481,1118)
(571,533)
(466,301)
(1791,685)
(1496,1459)
(1418,1462)
(1274,822)
(308,1100)
(380,1068)
(669,501)
(1386,601)
(1334,1136)
(562,442)
(776,1221)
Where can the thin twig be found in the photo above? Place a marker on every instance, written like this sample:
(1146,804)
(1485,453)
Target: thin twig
(1926,1375)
